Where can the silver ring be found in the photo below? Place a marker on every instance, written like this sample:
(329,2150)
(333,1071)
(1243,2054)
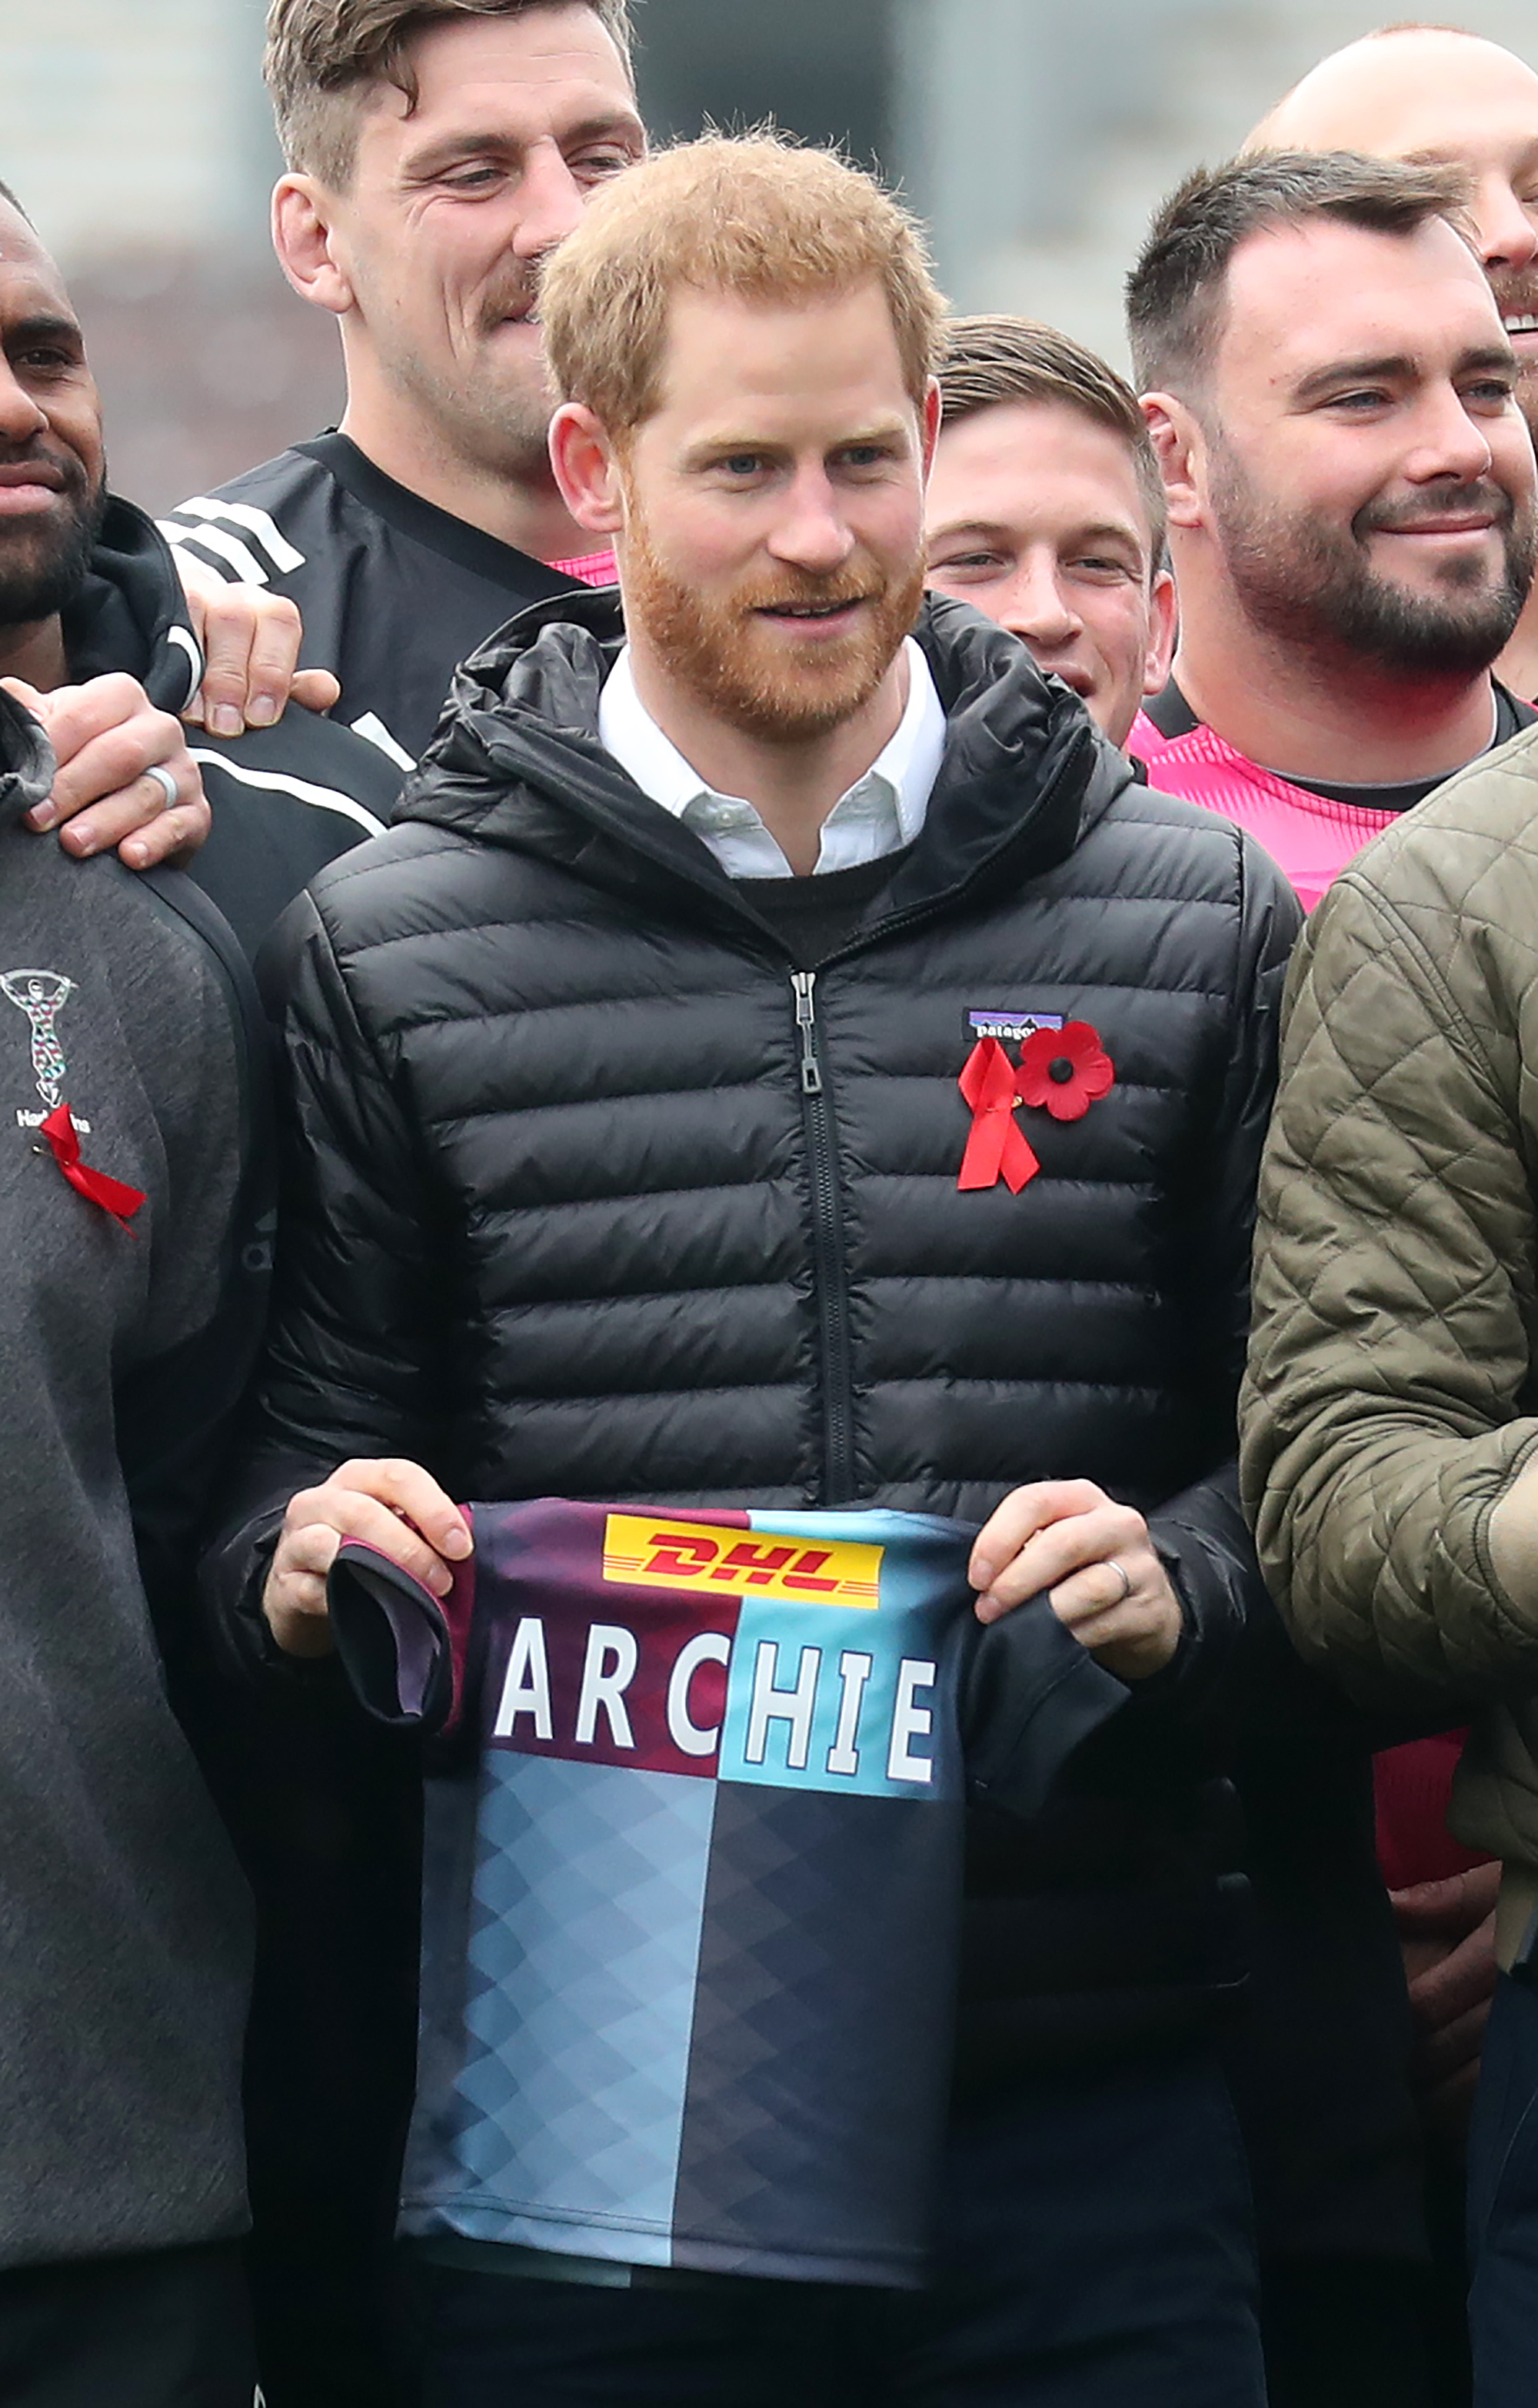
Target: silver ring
(165,782)
(1125,1577)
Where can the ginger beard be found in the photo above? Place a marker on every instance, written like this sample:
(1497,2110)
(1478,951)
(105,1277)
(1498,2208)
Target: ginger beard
(745,672)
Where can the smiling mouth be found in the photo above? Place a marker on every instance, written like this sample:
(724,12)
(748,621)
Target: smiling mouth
(1521,323)
(1442,526)
(29,474)
(811,610)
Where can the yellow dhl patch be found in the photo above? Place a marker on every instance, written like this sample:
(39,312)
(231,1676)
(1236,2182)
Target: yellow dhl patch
(646,1551)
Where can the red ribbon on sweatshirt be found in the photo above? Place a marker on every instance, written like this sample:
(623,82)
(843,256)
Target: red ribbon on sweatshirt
(996,1147)
(114,1195)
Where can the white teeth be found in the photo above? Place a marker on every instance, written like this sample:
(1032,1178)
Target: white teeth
(1520,325)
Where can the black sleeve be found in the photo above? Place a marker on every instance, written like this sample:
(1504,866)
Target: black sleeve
(1201,1536)
(286,801)
(350,1366)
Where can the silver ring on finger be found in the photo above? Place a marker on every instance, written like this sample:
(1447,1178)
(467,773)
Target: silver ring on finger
(165,782)
(1123,1575)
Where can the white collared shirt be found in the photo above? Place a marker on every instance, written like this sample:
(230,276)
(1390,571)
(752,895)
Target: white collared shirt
(883,811)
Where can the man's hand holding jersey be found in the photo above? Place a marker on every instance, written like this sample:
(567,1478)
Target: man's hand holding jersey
(389,1504)
(1092,1557)
(1095,1563)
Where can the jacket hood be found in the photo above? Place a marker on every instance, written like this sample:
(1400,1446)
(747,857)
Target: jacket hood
(26,761)
(131,613)
(517,761)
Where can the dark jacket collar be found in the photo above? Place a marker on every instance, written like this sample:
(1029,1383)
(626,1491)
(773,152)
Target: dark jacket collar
(517,762)
(131,613)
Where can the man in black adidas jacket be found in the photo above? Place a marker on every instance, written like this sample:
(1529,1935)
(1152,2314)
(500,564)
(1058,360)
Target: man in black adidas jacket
(88,592)
(629,1160)
(286,800)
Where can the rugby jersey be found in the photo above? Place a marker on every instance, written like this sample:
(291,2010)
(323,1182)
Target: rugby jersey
(693,1870)
(1310,828)
(394,591)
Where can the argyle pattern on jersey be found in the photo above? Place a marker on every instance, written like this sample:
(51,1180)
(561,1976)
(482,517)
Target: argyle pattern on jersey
(693,1876)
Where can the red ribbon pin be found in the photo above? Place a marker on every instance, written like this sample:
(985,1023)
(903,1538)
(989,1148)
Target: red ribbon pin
(114,1195)
(995,1145)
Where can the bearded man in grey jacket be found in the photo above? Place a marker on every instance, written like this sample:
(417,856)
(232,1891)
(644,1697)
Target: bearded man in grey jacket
(133,1235)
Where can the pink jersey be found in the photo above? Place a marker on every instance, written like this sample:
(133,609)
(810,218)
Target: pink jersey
(1309,836)
(589,567)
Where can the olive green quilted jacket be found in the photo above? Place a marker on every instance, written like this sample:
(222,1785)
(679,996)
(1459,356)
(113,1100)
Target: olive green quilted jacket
(1392,1394)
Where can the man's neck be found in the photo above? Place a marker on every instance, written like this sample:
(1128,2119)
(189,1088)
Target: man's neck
(524,511)
(791,786)
(1351,722)
(35,653)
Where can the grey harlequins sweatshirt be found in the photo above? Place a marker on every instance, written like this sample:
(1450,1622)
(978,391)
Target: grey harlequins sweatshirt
(124,1940)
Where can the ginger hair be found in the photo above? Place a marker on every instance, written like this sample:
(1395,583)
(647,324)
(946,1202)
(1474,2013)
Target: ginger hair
(752,216)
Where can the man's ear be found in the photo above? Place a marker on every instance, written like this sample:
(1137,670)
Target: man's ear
(1163,629)
(933,407)
(1179,447)
(587,469)
(303,237)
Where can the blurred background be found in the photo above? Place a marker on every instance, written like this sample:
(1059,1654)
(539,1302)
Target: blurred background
(1035,136)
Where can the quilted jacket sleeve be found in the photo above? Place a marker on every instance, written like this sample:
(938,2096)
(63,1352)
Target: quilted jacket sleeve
(350,1366)
(1389,1400)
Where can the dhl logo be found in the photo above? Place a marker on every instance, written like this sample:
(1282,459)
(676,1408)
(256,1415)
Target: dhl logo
(646,1552)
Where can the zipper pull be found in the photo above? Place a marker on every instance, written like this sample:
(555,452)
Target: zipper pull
(811,1078)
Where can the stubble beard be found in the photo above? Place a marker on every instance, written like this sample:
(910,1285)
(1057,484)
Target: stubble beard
(1313,590)
(38,583)
(719,650)
(502,426)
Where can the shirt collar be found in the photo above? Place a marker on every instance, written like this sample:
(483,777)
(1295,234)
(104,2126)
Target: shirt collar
(899,781)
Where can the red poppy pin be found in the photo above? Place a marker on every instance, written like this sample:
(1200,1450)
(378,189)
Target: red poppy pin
(1063,1070)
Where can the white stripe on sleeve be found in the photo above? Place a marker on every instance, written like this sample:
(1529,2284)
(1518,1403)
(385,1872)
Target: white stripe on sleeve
(247,568)
(245,514)
(373,730)
(325,798)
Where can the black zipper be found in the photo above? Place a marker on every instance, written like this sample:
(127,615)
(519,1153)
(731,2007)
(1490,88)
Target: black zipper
(829,1259)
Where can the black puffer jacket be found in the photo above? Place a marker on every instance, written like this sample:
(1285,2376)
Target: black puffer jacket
(578,1206)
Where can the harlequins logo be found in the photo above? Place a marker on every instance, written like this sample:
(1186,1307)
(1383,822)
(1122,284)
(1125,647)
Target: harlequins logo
(42,995)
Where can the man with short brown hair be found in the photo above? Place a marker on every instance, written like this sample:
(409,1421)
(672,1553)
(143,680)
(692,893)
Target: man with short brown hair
(1438,95)
(1351,495)
(635,1049)
(1045,510)
(435,156)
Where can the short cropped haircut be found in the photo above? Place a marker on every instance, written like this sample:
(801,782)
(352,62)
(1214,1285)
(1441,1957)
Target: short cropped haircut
(1174,294)
(752,216)
(1001,359)
(325,57)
